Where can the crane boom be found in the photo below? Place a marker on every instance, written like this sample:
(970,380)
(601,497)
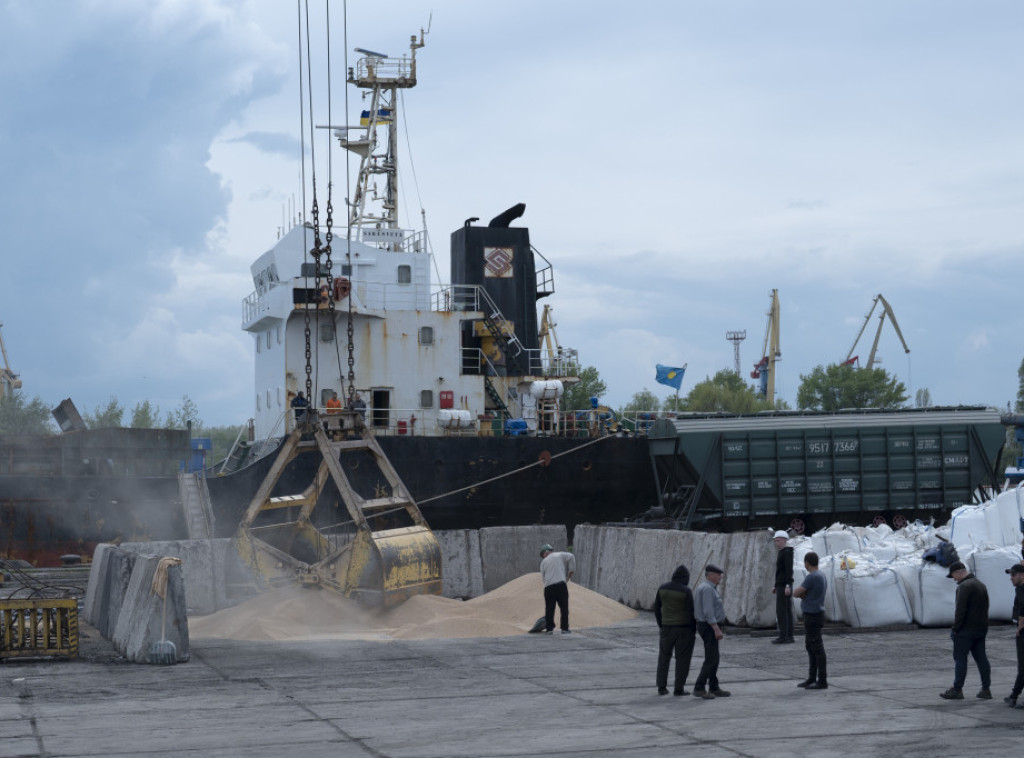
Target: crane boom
(764,369)
(886,311)
(9,381)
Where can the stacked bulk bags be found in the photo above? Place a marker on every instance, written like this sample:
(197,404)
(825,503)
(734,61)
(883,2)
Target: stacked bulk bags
(931,593)
(989,564)
(871,594)
(835,539)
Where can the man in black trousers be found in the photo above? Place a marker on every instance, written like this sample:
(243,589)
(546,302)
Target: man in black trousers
(673,609)
(783,589)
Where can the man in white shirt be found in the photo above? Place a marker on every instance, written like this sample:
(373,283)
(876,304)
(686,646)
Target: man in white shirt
(556,569)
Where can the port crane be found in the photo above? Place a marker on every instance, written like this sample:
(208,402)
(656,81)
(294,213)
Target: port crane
(764,369)
(9,381)
(852,359)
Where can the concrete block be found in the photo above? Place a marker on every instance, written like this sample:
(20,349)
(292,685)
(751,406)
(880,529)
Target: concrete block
(461,569)
(508,552)
(202,566)
(109,578)
(146,618)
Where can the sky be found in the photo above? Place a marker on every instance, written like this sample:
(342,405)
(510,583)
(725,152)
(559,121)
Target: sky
(678,162)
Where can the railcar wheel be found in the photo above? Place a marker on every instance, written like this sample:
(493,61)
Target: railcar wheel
(899,521)
(878,520)
(797,526)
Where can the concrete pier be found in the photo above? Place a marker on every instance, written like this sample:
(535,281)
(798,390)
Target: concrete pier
(588,694)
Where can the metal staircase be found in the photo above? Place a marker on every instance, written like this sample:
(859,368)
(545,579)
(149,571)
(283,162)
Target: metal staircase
(195,501)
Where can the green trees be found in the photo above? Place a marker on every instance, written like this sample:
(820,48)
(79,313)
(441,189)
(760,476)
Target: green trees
(577,395)
(145,415)
(843,386)
(1019,407)
(20,416)
(726,392)
(105,417)
(644,400)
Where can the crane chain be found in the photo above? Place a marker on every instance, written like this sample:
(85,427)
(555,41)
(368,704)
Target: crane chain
(316,252)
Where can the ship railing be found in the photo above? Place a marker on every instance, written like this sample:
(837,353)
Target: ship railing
(374,70)
(545,275)
(253,307)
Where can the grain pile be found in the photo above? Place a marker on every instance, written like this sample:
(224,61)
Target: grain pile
(293,613)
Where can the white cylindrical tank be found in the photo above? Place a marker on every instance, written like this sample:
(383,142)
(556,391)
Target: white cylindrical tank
(547,389)
(449,418)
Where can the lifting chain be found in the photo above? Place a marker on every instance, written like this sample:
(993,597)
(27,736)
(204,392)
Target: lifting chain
(316,252)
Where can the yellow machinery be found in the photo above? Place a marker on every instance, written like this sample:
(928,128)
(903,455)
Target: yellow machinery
(764,369)
(381,561)
(886,311)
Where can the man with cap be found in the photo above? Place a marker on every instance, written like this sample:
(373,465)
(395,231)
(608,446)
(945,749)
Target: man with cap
(812,605)
(710,614)
(970,626)
(783,589)
(556,569)
(673,610)
(1016,572)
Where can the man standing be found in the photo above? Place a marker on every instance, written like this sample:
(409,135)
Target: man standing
(673,610)
(1016,572)
(710,614)
(783,589)
(812,604)
(970,626)
(299,403)
(556,569)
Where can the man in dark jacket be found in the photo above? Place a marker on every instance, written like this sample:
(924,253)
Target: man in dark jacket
(783,589)
(1016,572)
(673,609)
(970,626)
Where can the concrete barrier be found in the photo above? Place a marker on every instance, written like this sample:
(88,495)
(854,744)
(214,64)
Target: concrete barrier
(109,578)
(146,618)
(202,565)
(629,565)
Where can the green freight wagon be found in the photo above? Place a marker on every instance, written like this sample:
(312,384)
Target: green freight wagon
(806,469)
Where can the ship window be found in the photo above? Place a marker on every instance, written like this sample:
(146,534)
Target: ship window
(268,398)
(326,332)
(259,345)
(279,397)
(426,398)
(346,270)
(404,274)
(258,402)
(279,334)
(426,335)
(268,339)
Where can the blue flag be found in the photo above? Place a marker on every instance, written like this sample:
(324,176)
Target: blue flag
(673,377)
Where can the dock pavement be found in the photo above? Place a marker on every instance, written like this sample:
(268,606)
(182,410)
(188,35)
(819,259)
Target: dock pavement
(591,693)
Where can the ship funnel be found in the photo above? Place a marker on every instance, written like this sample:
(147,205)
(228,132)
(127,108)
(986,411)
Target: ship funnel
(504,220)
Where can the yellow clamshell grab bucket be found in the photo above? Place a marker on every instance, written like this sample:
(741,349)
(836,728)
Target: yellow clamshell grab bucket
(380,567)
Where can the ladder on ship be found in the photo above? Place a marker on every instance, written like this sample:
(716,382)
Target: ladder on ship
(235,456)
(195,502)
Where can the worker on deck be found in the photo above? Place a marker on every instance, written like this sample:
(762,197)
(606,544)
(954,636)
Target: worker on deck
(333,403)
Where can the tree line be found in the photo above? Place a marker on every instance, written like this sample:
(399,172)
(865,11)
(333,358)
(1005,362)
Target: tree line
(21,415)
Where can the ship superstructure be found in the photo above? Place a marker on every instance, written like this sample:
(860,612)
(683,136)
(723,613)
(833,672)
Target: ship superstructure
(460,358)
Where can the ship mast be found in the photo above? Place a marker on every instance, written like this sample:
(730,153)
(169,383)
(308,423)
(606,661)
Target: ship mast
(382,77)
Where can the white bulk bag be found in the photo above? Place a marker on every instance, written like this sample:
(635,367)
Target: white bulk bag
(969,527)
(935,595)
(1007,504)
(835,539)
(989,564)
(872,595)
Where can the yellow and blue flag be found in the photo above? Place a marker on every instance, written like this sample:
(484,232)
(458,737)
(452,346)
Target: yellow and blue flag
(383,117)
(673,377)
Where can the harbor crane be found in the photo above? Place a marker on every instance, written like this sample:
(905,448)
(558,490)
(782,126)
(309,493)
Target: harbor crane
(9,381)
(764,369)
(852,359)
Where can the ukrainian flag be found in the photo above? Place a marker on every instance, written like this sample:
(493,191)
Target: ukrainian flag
(673,377)
(383,117)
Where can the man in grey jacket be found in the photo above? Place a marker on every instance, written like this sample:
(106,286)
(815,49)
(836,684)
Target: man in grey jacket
(710,614)
(556,569)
